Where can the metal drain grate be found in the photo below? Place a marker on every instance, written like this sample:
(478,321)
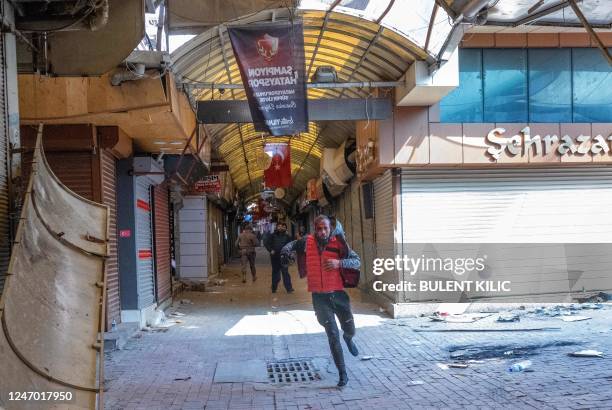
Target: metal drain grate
(292,371)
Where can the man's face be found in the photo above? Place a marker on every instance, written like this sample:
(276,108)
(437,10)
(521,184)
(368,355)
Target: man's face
(323,229)
(281,228)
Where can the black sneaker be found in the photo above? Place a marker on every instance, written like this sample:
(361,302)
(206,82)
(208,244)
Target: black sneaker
(291,291)
(343,379)
(351,345)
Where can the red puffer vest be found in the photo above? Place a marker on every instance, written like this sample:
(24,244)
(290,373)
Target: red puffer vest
(320,280)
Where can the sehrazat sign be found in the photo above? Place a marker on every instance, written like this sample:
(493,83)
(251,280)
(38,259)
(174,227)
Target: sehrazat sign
(521,143)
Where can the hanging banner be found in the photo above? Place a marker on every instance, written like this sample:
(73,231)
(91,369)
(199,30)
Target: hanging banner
(271,61)
(278,174)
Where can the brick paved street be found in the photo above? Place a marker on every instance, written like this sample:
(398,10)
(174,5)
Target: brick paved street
(237,322)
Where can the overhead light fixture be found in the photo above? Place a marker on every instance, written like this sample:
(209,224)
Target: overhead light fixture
(325,74)
(160,142)
(177,143)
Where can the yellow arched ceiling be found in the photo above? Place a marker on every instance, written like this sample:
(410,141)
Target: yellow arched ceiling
(359,50)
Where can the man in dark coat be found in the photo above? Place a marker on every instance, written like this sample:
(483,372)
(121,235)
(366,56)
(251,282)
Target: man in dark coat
(274,244)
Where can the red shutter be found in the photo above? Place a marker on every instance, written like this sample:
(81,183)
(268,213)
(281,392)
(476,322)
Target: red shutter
(109,198)
(75,170)
(161,228)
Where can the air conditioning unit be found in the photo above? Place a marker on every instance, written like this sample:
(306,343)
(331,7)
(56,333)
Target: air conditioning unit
(337,168)
(325,74)
(149,167)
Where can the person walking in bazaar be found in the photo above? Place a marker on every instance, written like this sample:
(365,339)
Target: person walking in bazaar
(274,243)
(246,242)
(329,266)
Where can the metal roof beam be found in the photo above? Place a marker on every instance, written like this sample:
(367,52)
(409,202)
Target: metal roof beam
(229,78)
(590,30)
(323,27)
(352,84)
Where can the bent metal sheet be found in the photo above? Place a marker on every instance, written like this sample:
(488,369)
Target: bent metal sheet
(271,61)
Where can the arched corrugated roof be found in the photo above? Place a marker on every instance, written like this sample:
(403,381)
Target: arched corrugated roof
(359,50)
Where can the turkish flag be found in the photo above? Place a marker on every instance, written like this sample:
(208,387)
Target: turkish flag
(278,174)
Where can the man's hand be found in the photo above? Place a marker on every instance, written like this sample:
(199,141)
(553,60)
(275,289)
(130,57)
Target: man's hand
(330,264)
(272,252)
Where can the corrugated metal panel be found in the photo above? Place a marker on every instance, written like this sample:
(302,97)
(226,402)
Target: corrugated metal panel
(214,235)
(161,217)
(144,243)
(368,245)
(109,198)
(74,169)
(5,240)
(383,225)
(193,246)
(537,205)
(357,241)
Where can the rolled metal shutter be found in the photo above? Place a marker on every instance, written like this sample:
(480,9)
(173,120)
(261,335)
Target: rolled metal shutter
(5,239)
(514,205)
(161,217)
(383,226)
(144,243)
(368,245)
(75,170)
(109,198)
(357,241)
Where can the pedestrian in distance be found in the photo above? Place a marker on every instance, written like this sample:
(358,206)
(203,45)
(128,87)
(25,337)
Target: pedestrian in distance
(274,243)
(246,243)
(330,266)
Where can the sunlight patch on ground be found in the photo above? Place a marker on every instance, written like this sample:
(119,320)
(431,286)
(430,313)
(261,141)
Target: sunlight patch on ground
(290,322)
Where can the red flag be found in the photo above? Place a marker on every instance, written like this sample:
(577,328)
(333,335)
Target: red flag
(278,174)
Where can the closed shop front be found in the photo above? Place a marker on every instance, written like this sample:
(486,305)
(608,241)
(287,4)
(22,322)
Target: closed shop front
(84,159)
(161,230)
(193,239)
(144,241)
(215,235)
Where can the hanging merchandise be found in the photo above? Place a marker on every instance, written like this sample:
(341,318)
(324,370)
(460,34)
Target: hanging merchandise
(278,174)
(271,61)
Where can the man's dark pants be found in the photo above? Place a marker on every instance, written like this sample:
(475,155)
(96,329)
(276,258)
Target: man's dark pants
(277,270)
(326,307)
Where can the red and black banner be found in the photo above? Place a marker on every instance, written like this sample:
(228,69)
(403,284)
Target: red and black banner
(271,61)
(278,174)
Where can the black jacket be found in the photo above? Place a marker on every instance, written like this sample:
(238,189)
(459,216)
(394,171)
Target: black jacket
(275,242)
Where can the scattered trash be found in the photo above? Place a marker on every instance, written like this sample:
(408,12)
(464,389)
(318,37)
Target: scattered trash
(460,318)
(177,314)
(574,318)
(186,302)
(367,357)
(381,310)
(219,282)
(458,365)
(178,321)
(183,378)
(586,353)
(464,353)
(506,318)
(442,366)
(520,366)
(528,329)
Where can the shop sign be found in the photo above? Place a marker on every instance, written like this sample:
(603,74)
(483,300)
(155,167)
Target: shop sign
(521,143)
(209,184)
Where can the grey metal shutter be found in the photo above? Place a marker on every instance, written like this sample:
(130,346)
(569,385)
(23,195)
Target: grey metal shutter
(368,245)
(144,243)
(520,205)
(5,239)
(109,198)
(531,212)
(383,226)
(355,201)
